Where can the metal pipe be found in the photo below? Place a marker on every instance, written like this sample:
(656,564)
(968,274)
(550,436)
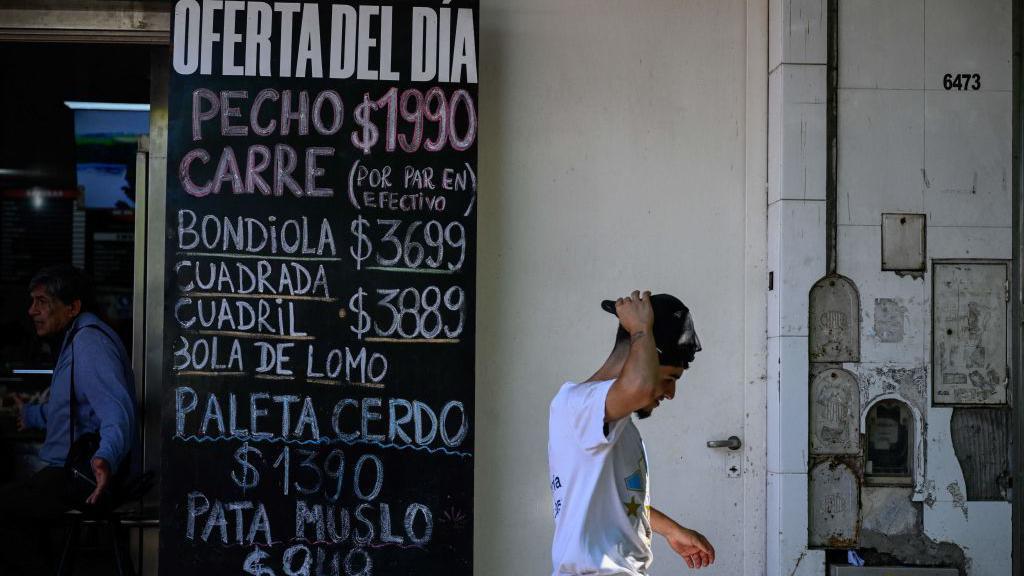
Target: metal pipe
(831,139)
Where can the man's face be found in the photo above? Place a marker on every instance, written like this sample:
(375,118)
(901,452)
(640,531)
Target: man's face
(50,315)
(667,377)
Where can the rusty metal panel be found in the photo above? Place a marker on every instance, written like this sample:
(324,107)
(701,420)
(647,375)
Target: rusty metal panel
(969,353)
(834,326)
(981,441)
(834,505)
(903,242)
(835,413)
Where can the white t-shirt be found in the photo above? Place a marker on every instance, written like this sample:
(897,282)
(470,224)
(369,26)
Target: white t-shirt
(599,487)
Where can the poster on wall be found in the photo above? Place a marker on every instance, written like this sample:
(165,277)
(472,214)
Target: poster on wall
(318,404)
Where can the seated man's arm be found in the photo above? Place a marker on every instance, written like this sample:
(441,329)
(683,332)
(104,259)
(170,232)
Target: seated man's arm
(100,376)
(690,544)
(637,384)
(32,415)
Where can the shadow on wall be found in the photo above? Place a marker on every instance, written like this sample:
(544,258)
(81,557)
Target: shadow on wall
(490,477)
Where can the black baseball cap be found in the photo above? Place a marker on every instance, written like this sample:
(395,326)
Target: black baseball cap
(674,335)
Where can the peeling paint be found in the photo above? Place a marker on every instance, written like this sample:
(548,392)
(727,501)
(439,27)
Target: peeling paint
(881,549)
(909,383)
(890,319)
(889,510)
(909,274)
(959,500)
(927,488)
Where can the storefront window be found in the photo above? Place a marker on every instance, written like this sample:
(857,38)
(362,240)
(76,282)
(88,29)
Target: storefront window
(73,116)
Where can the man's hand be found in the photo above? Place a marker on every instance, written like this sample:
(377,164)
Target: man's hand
(101,470)
(19,406)
(635,312)
(692,546)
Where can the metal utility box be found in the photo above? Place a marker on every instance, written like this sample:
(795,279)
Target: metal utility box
(834,506)
(903,242)
(890,444)
(893,571)
(835,413)
(969,352)
(834,323)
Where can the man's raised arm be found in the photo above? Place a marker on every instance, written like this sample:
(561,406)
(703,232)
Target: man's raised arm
(637,385)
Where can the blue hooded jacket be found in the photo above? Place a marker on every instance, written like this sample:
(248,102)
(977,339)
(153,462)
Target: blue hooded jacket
(104,395)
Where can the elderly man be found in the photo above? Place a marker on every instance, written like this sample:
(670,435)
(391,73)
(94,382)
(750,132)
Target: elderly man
(600,490)
(93,363)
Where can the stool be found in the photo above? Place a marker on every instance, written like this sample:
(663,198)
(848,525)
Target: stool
(116,518)
(112,521)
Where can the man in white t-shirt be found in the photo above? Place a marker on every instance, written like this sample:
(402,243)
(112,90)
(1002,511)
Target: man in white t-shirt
(599,484)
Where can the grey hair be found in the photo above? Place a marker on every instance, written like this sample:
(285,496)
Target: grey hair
(66,283)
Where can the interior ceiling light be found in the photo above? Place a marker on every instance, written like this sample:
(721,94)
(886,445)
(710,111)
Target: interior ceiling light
(76,105)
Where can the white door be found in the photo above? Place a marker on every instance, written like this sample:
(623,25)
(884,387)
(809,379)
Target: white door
(622,146)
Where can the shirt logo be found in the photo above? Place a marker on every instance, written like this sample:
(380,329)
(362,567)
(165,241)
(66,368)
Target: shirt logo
(632,507)
(635,481)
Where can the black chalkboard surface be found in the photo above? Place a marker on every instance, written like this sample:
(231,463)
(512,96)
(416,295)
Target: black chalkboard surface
(321,257)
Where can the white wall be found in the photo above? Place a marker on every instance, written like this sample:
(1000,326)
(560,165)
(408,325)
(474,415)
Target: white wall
(615,155)
(905,145)
(908,145)
(796,255)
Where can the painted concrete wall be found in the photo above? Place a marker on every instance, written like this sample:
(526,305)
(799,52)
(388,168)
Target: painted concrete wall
(622,148)
(796,259)
(905,144)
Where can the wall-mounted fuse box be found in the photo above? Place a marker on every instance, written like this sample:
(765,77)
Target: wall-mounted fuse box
(969,339)
(903,242)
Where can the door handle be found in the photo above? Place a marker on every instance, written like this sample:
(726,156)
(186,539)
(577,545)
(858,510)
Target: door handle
(733,443)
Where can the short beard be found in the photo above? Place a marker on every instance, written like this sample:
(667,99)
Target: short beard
(643,413)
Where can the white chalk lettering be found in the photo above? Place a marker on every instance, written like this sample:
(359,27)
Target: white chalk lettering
(243,513)
(404,422)
(253,235)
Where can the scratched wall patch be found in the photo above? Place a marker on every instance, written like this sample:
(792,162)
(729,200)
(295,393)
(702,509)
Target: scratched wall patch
(890,319)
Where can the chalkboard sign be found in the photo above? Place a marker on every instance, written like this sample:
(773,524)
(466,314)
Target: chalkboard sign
(321,259)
